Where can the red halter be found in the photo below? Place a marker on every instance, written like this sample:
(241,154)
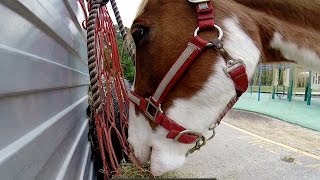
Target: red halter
(235,69)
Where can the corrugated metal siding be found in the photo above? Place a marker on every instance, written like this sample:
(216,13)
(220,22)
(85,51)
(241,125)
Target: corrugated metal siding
(43,91)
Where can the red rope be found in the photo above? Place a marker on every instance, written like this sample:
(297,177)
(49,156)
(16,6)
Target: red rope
(110,127)
(113,89)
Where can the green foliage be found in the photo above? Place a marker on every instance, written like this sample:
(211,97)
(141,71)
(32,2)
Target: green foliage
(128,67)
(126,61)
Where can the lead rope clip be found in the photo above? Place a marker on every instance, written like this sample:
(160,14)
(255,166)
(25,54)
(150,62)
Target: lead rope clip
(201,142)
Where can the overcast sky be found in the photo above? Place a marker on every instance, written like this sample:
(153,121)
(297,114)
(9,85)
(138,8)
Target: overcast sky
(128,10)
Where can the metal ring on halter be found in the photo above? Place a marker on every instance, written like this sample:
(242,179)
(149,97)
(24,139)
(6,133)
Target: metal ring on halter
(215,26)
(188,132)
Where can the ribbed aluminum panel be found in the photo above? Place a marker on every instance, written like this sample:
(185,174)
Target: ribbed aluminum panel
(43,91)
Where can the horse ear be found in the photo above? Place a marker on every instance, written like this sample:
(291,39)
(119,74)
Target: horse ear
(282,41)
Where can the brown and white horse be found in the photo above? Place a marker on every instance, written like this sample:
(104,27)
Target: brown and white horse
(254,31)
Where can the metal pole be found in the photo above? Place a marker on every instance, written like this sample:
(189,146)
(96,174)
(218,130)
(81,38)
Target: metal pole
(251,87)
(290,89)
(275,81)
(273,92)
(306,90)
(259,91)
(309,93)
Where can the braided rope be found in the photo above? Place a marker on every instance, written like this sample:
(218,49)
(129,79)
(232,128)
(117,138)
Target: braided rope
(95,4)
(130,49)
(118,18)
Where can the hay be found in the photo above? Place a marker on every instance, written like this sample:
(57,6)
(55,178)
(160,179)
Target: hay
(129,171)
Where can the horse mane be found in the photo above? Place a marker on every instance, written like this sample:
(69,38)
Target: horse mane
(296,12)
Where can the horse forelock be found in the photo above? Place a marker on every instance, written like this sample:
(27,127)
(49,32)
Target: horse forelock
(142,7)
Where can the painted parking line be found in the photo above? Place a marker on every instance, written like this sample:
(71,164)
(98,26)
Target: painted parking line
(273,142)
(316,166)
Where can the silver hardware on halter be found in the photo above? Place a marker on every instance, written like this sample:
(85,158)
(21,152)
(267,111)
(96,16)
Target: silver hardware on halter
(203,6)
(213,129)
(151,106)
(198,1)
(201,142)
(188,132)
(215,26)
(232,64)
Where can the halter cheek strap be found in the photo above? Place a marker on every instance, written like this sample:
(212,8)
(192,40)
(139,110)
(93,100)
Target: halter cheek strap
(152,106)
(235,69)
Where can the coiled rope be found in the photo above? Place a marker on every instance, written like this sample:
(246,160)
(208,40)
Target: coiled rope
(95,4)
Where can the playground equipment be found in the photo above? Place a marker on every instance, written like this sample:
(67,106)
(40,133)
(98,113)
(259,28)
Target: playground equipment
(285,92)
(285,81)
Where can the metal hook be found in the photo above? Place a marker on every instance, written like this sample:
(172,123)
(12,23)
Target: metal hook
(213,129)
(213,134)
(201,142)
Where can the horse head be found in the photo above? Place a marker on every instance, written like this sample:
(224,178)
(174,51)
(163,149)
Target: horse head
(164,32)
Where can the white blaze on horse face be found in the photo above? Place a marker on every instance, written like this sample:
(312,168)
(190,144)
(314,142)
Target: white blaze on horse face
(139,134)
(200,111)
(289,50)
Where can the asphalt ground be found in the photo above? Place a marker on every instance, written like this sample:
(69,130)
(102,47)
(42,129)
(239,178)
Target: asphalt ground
(251,146)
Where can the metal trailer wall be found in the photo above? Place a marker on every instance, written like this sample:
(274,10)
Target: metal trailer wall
(43,91)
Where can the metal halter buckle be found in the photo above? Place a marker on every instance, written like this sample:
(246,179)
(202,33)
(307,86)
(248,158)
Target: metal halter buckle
(200,141)
(152,110)
(232,64)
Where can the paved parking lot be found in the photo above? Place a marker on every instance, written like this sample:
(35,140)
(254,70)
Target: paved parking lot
(239,152)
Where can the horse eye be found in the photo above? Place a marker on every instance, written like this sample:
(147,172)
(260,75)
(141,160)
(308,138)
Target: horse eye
(138,33)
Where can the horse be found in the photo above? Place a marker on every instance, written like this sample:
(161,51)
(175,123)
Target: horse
(220,43)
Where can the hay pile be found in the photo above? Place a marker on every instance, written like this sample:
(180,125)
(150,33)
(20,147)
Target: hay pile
(129,170)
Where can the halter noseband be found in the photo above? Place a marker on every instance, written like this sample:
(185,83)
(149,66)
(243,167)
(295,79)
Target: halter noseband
(235,69)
